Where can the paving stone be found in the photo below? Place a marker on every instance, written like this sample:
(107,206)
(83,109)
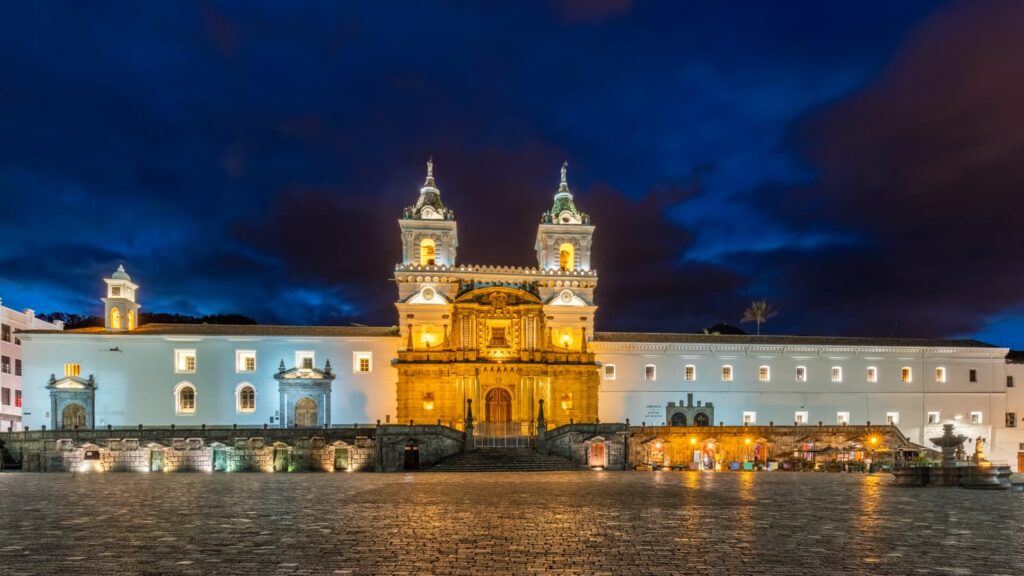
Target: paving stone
(622,523)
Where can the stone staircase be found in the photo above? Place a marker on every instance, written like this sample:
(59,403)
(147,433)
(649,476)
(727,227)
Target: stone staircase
(503,460)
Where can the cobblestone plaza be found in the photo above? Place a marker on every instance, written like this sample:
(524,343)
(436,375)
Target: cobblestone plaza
(515,523)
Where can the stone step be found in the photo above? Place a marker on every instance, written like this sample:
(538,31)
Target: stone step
(503,460)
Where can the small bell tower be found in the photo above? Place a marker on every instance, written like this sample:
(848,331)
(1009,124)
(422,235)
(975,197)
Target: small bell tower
(121,311)
(564,234)
(429,232)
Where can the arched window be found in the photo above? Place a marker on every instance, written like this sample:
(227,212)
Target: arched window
(246,397)
(185,398)
(131,319)
(115,317)
(566,257)
(427,252)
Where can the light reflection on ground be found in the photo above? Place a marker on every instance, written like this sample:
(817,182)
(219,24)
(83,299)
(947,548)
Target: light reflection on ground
(555,523)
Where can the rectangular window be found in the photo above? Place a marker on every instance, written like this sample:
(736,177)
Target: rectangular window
(5,364)
(842,418)
(185,361)
(837,374)
(17,398)
(1009,381)
(5,396)
(17,366)
(973,375)
(115,291)
(801,374)
(726,373)
(892,418)
(801,417)
(1011,419)
(750,417)
(72,369)
(649,372)
(940,374)
(933,417)
(609,371)
(906,375)
(498,338)
(5,333)
(764,374)
(305,360)
(975,417)
(362,362)
(245,360)
(690,373)
(872,374)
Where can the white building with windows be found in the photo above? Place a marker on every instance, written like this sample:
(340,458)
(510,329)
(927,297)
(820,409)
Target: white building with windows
(534,327)
(12,362)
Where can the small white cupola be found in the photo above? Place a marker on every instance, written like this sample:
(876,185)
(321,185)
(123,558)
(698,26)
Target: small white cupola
(121,311)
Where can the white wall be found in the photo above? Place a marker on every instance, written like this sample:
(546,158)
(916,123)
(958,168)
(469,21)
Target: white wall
(630,396)
(135,384)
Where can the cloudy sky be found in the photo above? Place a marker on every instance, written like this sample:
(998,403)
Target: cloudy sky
(859,164)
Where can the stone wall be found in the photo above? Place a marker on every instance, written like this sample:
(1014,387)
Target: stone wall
(432,443)
(230,450)
(576,442)
(674,446)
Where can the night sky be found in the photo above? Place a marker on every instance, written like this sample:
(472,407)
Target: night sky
(859,164)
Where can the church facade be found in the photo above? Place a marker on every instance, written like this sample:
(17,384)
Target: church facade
(504,343)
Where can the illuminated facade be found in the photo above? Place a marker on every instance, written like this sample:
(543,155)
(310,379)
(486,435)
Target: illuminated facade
(504,339)
(500,339)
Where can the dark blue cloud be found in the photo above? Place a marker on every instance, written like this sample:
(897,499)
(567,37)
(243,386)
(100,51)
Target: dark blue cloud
(252,157)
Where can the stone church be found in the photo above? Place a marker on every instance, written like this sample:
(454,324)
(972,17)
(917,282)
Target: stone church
(501,339)
(503,344)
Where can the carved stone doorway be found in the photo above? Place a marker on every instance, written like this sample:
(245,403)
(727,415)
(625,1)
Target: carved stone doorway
(498,406)
(305,413)
(73,417)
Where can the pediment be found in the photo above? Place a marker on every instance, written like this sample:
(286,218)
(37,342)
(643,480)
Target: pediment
(304,374)
(71,383)
(427,295)
(566,298)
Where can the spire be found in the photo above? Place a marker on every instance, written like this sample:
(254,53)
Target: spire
(430,174)
(429,205)
(564,210)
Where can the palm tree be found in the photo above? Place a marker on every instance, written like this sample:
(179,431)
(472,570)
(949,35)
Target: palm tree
(759,311)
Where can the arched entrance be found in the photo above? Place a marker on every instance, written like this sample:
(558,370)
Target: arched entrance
(305,413)
(72,417)
(597,456)
(701,419)
(498,405)
(678,419)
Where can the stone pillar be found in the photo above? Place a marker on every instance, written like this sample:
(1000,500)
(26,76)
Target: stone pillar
(469,443)
(542,428)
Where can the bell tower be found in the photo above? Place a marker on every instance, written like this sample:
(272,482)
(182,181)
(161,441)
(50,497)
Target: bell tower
(564,234)
(429,233)
(121,311)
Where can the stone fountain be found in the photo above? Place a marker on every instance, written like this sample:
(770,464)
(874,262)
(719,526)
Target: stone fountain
(955,469)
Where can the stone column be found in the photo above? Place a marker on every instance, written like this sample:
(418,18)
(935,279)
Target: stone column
(469,443)
(542,427)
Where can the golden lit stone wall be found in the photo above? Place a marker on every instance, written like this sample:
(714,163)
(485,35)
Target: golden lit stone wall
(490,338)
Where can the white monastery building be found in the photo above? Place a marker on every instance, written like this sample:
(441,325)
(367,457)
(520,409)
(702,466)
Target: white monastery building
(505,338)
(12,364)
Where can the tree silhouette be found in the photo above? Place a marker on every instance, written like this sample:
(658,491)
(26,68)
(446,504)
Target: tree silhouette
(759,311)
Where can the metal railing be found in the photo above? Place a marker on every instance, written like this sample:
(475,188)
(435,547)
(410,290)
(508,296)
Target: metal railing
(504,434)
